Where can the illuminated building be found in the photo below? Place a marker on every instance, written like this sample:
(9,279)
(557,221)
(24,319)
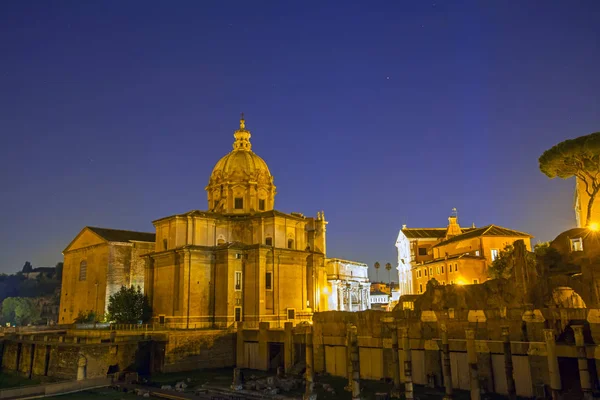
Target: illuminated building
(451,255)
(239,260)
(348,285)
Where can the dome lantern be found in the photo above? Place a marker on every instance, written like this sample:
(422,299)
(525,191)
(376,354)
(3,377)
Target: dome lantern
(241,182)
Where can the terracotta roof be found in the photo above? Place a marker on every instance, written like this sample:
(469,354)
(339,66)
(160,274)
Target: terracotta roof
(117,235)
(490,230)
(429,233)
(453,257)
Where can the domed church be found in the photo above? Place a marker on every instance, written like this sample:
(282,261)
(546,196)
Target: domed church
(240,260)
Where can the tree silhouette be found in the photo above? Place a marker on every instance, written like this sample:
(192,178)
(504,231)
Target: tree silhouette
(377,270)
(27,267)
(388,267)
(128,306)
(578,157)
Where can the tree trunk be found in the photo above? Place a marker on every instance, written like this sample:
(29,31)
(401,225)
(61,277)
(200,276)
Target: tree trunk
(590,206)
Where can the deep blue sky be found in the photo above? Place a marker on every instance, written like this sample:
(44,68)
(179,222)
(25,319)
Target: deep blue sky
(379,113)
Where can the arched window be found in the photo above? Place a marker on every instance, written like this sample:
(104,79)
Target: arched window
(290,243)
(82,270)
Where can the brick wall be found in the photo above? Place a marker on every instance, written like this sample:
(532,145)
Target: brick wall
(188,350)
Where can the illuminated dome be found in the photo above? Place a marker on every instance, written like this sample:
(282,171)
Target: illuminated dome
(241,181)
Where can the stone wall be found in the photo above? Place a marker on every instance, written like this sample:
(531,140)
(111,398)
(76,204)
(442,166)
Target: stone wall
(189,350)
(545,344)
(60,356)
(94,353)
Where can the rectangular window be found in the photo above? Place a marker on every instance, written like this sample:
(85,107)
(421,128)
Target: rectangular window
(477,253)
(290,243)
(261,205)
(269,241)
(238,203)
(576,244)
(165,244)
(291,313)
(450,268)
(83,271)
(425,272)
(238,280)
(475,281)
(437,270)
(442,269)
(430,271)
(215,203)
(420,288)
(455,267)
(494,254)
(269,281)
(422,251)
(238,314)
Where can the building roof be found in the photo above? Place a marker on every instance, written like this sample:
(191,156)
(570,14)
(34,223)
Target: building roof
(238,217)
(490,230)
(449,258)
(117,235)
(429,233)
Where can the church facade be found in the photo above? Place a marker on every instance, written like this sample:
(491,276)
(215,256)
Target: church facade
(241,259)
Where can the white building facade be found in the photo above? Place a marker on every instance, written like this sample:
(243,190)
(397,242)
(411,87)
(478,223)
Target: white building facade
(348,285)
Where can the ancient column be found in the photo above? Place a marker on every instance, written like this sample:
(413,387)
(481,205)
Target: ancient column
(408,384)
(446,369)
(582,363)
(473,369)
(395,358)
(508,364)
(239,354)
(263,346)
(309,374)
(553,369)
(354,357)
(288,347)
(348,387)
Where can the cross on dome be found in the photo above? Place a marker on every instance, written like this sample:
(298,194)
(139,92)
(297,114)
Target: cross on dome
(242,137)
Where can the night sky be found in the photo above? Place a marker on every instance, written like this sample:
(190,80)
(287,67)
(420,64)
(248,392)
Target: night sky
(114,113)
